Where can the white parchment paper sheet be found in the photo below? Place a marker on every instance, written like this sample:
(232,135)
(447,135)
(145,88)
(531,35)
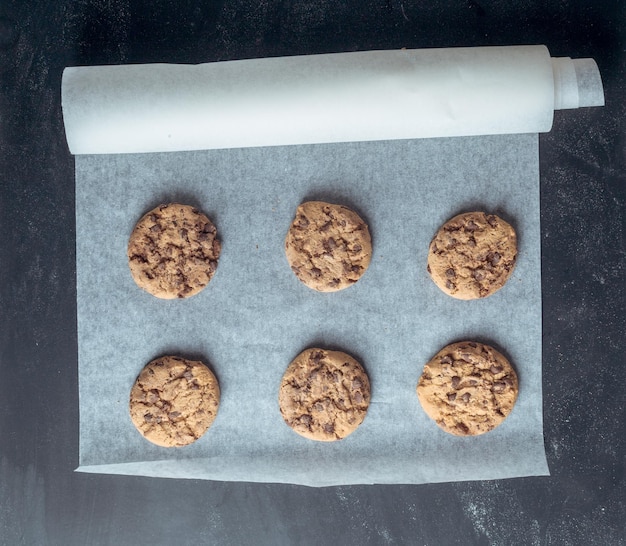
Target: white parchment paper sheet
(255,316)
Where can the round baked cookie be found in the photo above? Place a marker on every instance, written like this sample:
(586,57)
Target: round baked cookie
(472,255)
(468,388)
(324,395)
(328,246)
(174,401)
(173,251)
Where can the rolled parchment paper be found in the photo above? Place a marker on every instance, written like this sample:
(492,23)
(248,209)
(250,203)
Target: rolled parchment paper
(341,97)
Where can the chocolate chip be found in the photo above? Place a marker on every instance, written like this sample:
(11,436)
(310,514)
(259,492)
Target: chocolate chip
(498,387)
(174,415)
(316,272)
(358,397)
(479,275)
(329,428)
(495,369)
(494,258)
(139,258)
(450,273)
(356,383)
(452,397)
(317,356)
(471,226)
(326,226)
(455,381)
(357,248)
(148,417)
(306,420)
(446,360)
(492,221)
(466,397)
(463,428)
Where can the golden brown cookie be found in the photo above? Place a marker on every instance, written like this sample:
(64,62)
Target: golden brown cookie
(472,255)
(468,388)
(174,401)
(324,395)
(173,251)
(328,246)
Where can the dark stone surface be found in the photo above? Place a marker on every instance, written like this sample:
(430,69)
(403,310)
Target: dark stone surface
(583,191)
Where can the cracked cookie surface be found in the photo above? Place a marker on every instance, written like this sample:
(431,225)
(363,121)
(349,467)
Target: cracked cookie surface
(472,255)
(173,251)
(468,388)
(328,246)
(324,395)
(174,401)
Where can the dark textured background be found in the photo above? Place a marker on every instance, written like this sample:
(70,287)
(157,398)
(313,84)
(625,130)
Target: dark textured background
(583,161)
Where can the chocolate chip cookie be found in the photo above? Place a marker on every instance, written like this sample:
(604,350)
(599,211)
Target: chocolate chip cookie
(472,255)
(174,401)
(324,395)
(328,246)
(173,251)
(468,388)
